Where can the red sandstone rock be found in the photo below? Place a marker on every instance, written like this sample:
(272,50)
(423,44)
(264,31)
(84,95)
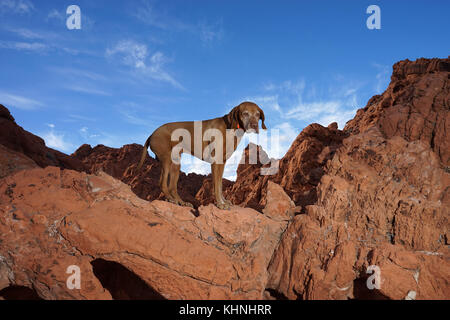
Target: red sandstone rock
(415,106)
(278,204)
(97,223)
(16,138)
(205,194)
(11,161)
(378,196)
(299,171)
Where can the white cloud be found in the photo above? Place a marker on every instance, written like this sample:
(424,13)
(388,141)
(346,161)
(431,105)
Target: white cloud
(312,110)
(147,14)
(27,34)
(209,33)
(206,32)
(297,101)
(87,90)
(76,117)
(19,102)
(44,42)
(132,53)
(382,77)
(323,112)
(192,164)
(268,101)
(134,119)
(16,6)
(136,55)
(56,14)
(56,141)
(78,73)
(341,117)
(27,46)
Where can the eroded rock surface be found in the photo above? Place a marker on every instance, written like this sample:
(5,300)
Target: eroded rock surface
(382,202)
(52,218)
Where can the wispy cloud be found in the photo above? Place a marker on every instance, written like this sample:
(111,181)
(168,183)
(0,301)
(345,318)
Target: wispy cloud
(77,117)
(43,42)
(16,6)
(26,33)
(298,101)
(24,46)
(78,73)
(206,32)
(130,116)
(323,112)
(137,56)
(209,32)
(18,101)
(382,77)
(87,90)
(57,141)
(56,14)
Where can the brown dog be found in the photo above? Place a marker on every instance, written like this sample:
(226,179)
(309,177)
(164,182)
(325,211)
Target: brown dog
(197,141)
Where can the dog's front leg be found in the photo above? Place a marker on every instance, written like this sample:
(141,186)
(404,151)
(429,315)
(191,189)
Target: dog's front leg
(217,173)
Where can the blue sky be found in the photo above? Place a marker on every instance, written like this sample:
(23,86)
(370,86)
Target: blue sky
(135,65)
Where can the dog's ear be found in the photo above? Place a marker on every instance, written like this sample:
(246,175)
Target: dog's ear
(235,116)
(262,117)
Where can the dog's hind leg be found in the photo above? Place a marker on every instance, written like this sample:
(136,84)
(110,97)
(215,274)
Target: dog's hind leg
(163,180)
(220,169)
(173,182)
(217,172)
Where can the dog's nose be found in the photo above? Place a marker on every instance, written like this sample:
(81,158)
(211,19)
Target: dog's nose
(254,126)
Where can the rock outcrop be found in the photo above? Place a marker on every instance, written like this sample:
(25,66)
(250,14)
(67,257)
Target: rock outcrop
(126,247)
(415,106)
(299,171)
(383,202)
(16,138)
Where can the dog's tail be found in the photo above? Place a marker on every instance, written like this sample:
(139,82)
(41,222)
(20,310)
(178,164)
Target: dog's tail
(144,153)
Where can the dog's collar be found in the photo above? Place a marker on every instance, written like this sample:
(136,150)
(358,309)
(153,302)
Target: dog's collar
(228,123)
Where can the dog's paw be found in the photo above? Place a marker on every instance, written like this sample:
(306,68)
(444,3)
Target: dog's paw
(186,204)
(171,201)
(223,206)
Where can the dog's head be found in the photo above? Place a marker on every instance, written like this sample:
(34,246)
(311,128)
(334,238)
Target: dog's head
(246,117)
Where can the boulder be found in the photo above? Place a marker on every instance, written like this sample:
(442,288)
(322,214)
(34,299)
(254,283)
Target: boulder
(124,246)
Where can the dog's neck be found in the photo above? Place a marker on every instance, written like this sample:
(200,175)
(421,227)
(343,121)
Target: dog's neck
(232,123)
(227,121)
